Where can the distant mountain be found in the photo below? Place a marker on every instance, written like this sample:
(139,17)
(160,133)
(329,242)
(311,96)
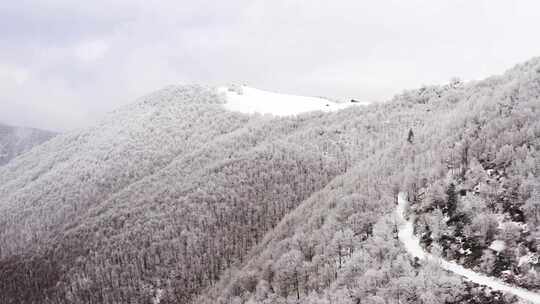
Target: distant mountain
(17,140)
(190,195)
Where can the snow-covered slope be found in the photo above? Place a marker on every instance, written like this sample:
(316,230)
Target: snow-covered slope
(170,159)
(249,100)
(412,245)
(178,199)
(17,140)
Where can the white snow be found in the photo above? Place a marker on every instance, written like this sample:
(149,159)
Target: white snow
(406,231)
(528,258)
(497,245)
(249,100)
(504,223)
(412,245)
(465,251)
(157,297)
(524,259)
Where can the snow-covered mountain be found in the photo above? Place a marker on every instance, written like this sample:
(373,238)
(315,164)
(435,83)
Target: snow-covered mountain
(186,196)
(17,140)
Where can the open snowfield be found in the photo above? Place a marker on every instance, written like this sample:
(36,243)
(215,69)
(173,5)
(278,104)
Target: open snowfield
(249,100)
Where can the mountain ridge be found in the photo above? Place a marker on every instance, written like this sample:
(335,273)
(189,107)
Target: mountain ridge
(176,199)
(18,140)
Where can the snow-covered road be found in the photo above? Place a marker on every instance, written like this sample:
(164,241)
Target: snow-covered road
(412,245)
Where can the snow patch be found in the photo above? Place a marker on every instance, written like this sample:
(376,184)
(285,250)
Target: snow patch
(524,259)
(249,100)
(529,258)
(504,223)
(497,245)
(467,251)
(157,297)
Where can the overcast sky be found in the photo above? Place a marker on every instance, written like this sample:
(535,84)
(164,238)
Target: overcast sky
(64,63)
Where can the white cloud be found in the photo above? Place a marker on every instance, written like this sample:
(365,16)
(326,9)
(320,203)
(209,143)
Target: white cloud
(12,75)
(100,55)
(89,51)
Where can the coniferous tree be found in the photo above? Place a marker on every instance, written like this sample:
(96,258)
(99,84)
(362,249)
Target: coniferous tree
(451,200)
(410,136)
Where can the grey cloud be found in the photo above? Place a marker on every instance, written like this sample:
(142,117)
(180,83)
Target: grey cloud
(64,63)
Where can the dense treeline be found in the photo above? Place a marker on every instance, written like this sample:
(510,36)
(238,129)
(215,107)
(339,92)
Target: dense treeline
(175,200)
(485,213)
(155,210)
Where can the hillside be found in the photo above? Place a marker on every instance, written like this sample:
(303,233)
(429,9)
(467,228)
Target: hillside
(17,140)
(341,245)
(175,159)
(178,198)
(485,213)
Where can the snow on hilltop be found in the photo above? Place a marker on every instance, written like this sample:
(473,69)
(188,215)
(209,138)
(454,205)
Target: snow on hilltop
(249,100)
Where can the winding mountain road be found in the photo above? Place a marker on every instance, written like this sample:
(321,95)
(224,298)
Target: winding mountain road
(412,245)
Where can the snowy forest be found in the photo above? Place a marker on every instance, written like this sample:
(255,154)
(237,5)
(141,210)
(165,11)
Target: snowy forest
(175,199)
